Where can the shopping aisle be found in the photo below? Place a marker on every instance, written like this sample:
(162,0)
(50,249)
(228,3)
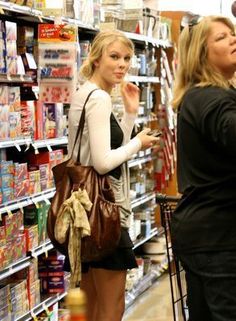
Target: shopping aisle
(152,305)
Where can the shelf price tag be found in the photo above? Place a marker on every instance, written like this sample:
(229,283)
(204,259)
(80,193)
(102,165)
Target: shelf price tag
(9,77)
(45,251)
(9,212)
(33,315)
(27,143)
(36,151)
(17,146)
(40,17)
(46,310)
(35,203)
(48,146)
(46,200)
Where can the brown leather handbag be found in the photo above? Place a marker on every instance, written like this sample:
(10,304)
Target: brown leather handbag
(104,216)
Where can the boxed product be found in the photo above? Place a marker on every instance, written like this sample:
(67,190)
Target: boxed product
(6,167)
(7,181)
(34,294)
(32,238)
(14,124)
(50,121)
(19,247)
(21,188)
(16,288)
(2,236)
(4,312)
(4,295)
(13,224)
(37,216)
(3,257)
(20,171)
(27,118)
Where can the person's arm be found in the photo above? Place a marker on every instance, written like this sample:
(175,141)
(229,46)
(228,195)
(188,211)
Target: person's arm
(130,95)
(104,158)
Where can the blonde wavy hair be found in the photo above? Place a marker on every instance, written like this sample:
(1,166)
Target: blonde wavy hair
(101,41)
(193,66)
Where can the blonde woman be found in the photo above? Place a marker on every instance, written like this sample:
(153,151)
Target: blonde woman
(107,145)
(203,225)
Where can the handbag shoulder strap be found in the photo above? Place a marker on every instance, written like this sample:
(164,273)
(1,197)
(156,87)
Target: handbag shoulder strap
(81,126)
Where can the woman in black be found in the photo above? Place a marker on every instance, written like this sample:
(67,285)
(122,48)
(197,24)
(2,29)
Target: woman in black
(204,223)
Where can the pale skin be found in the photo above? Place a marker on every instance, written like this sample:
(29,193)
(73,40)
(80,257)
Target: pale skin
(110,70)
(221,42)
(105,289)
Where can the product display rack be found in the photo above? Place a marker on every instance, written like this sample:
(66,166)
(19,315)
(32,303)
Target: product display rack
(145,283)
(43,306)
(36,16)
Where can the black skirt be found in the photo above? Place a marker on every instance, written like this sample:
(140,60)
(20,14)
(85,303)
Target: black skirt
(123,258)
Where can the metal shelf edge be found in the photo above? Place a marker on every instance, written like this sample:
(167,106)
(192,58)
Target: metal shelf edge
(154,232)
(15,267)
(41,307)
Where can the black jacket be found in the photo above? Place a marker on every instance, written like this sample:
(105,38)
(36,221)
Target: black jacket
(205,218)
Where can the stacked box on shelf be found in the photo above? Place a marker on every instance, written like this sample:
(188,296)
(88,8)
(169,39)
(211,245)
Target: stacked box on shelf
(25,39)
(14,116)
(5,307)
(10,112)
(30,274)
(15,244)
(44,174)
(3,66)
(19,298)
(35,219)
(30,65)
(7,190)
(52,276)
(49,158)
(50,121)
(28,118)
(11,47)
(21,180)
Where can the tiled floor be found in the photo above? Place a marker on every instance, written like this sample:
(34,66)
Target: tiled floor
(152,305)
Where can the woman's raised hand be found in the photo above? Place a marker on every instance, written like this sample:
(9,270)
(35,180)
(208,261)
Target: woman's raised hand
(130,94)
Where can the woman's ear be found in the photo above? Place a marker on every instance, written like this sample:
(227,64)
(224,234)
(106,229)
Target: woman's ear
(96,63)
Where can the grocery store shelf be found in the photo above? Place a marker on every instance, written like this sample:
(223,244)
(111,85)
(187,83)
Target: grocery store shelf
(154,41)
(143,199)
(142,240)
(15,267)
(146,282)
(43,248)
(139,161)
(6,78)
(25,262)
(35,143)
(28,200)
(32,314)
(50,142)
(144,79)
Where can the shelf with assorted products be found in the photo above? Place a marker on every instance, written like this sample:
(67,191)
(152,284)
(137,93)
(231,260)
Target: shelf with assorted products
(33,138)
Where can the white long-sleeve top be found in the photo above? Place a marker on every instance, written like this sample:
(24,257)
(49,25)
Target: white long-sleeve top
(96,141)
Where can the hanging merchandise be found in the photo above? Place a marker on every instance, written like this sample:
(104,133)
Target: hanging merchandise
(57,61)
